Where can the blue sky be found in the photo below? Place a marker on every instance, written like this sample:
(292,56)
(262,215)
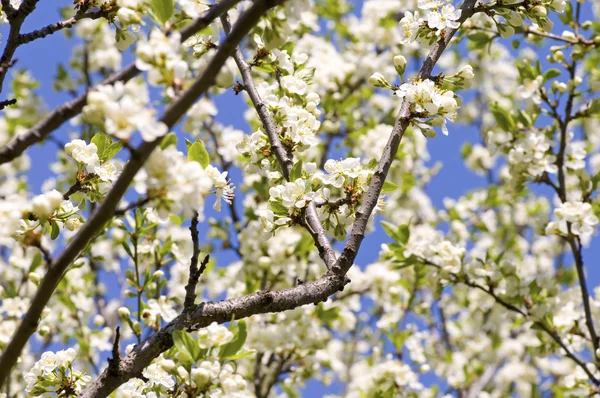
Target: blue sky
(40,58)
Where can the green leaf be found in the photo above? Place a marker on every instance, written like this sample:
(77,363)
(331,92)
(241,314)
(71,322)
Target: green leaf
(289,47)
(327,316)
(186,344)
(232,348)
(163,9)
(55,230)
(296,171)
(390,230)
(100,139)
(403,233)
(479,39)
(551,74)
(111,150)
(388,187)
(503,118)
(36,262)
(198,153)
(169,139)
(466,150)
(240,355)
(278,208)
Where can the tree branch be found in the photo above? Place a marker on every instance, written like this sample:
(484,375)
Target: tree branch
(195,273)
(346,258)
(8,102)
(203,315)
(25,38)
(57,117)
(16,19)
(312,223)
(99,218)
(113,363)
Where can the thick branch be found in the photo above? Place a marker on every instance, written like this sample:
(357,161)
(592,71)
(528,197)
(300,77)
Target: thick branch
(55,27)
(203,315)
(102,215)
(359,227)
(312,223)
(57,117)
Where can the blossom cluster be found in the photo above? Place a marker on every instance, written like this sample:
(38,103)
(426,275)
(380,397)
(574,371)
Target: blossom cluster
(349,178)
(177,184)
(578,215)
(121,109)
(54,373)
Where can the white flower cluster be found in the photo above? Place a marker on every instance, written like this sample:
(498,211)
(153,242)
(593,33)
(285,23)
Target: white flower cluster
(100,43)
(300,121)
(87,156)
(130,12)
(286,200)
(179,184)
(161,56)
(441,15)
(428,244)
(428,98)
(46,204)
(54,373)
(581,217)
(121,109)
(533,154)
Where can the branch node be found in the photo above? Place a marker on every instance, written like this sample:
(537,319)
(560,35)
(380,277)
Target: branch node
(113,363)
(195,272)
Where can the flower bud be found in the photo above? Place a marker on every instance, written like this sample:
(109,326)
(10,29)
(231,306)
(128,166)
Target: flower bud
(377,80)
(43,331)
(467,72)
(158,274)
(200,376)
(400,64)
(539,11)
(72,223)
(98,320)
(124,312)
(183,373)
(35,277)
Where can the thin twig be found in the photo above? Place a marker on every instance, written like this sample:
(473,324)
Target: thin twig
(195,273)
(113,363)
(8,102)
(312,223)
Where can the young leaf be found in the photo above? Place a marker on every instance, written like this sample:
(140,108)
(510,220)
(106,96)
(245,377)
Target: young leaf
(390,230)
(198,153)
(388,187)
(169,139)
(551,74)
(55,230)
(403,233)
(237,343)
(186,344)
(111,150)
(296,171)
(100,140)
(163,10)
(240,355)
